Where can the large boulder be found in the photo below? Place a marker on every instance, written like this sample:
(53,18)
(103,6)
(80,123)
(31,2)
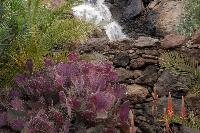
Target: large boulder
(169,82)
(196,37)
(93,44)
(121,59)
(133,8)
(145,42)
(126,8)
(165,15)
(136,93)
(149,77)
(141,63)
(172,41)
(124,74)
(137,63)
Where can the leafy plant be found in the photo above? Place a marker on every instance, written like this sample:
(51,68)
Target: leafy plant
(191,19)
(73,96)
(30,29)
(182,65)
(184,119)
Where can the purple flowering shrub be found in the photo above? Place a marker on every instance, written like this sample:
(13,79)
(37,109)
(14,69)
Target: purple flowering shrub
(76,96)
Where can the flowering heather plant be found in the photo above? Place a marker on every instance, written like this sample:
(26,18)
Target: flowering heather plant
(64,96)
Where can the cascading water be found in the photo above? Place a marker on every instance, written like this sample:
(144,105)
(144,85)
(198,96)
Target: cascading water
(97,12)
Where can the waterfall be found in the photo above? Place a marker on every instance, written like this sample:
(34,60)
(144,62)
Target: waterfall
(95,11)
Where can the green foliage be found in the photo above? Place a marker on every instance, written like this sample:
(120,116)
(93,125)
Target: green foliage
(183,65)
(31,30)
(192,121)
(191,19)
(63,31)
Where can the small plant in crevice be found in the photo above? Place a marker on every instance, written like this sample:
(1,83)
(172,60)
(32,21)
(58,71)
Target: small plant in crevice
(75,96)
(184,66)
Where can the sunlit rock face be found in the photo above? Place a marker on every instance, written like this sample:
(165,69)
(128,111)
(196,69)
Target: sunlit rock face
(95,11)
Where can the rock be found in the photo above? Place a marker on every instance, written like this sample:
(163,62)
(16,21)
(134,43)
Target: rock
(138,106)
(134,55)
(145,42)
(6,131)
(151,61)
(144,126)
(121,45)
(97,41)
(137,74)
(96,129)
(153,4)
(131,51)
(139,112)
(130,81)
(133,8)
(142,118)
(152,52)
(94,44)
(172,40)
(188,130)
(95,58)
(116,11)
(193,103)
(151,57)
(161,105)
(196,37)
(136,93)
(150,76)
(141,62)
(169,82)
(124,74)
(137,63)
(121,59)
(165,15)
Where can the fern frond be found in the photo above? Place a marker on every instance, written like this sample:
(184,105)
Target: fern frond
(182,65)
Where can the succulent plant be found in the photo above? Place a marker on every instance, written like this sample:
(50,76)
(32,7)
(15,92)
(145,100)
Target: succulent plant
(64,96)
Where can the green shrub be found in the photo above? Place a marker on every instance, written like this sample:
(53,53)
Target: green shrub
(191,20)
(31,30)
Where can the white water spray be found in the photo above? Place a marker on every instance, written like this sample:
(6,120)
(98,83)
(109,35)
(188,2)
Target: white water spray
(95,11)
